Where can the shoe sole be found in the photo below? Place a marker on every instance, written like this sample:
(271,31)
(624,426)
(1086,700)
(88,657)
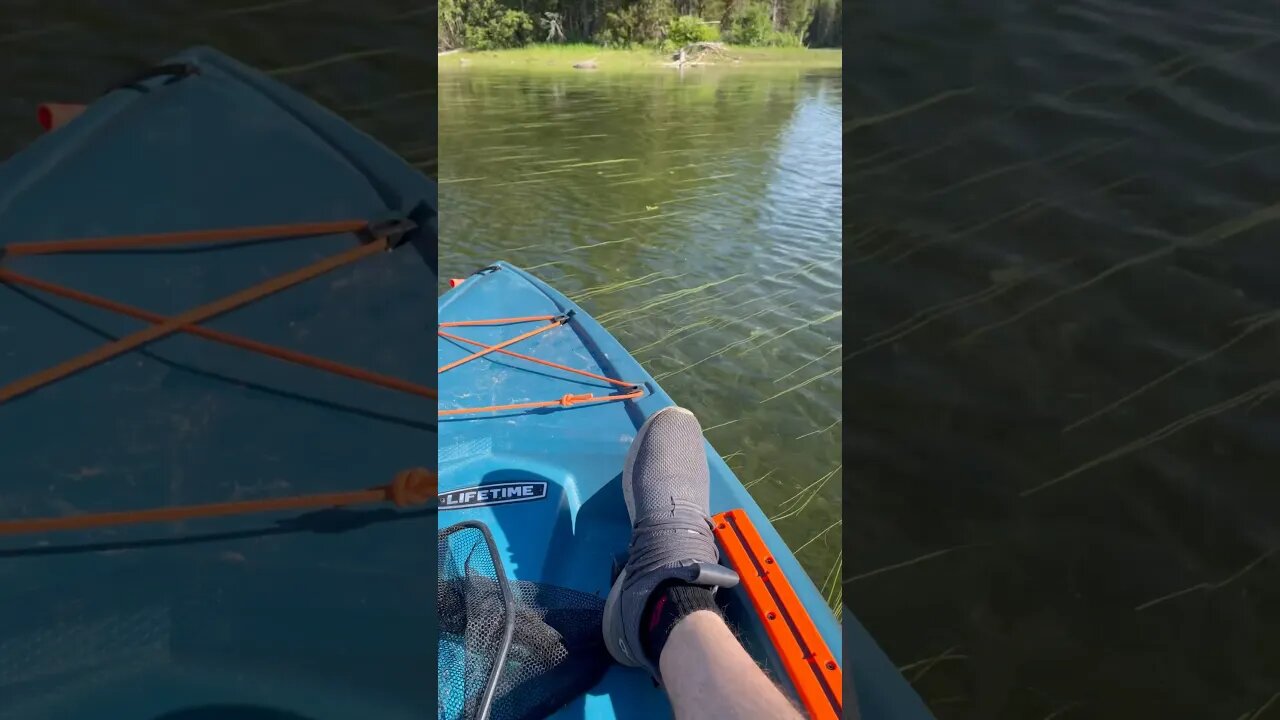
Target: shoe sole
(611,627)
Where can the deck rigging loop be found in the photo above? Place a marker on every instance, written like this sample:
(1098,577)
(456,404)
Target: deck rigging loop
(375,237)
(632,391)
(409,488)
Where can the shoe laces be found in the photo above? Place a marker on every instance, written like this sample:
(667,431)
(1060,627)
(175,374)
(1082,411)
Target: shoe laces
(682,533)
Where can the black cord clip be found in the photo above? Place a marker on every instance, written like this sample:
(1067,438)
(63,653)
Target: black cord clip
(175,72)
(394,230)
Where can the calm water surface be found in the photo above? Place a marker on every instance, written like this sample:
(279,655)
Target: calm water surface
(698,218)
(373,63)
(1063,287)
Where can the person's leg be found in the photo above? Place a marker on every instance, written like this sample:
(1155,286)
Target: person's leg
(660,614)
(708,674)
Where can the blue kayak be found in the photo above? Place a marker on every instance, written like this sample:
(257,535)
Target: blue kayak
(533,453)
(292,613)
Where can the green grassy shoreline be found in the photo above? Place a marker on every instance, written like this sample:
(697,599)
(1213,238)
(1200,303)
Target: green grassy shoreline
(563,57)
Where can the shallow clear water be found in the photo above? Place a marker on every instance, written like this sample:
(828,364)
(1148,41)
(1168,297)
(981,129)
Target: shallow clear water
(698,218)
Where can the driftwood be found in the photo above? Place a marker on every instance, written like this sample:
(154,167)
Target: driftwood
(699,53)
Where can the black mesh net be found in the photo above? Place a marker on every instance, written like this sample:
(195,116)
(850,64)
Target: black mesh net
(509,650)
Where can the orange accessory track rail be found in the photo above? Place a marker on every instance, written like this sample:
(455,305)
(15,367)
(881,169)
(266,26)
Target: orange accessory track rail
(808,661)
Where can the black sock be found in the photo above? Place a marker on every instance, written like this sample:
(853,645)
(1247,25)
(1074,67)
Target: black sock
(668,605)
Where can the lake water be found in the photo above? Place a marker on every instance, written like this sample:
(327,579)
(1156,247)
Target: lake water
(696,216)
(1053,207)
(374,65)
(1063,287)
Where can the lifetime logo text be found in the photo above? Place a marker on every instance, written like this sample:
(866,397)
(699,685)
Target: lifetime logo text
(496,494)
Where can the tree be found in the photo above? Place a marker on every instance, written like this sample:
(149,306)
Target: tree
(483,24)
(449,25)
(551,23)
(824,28)
(635,22)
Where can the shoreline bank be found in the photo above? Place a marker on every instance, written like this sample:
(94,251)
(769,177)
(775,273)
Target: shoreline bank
(593,58)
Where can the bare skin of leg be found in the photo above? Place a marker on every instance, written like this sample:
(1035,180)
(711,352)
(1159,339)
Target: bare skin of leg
(708,674)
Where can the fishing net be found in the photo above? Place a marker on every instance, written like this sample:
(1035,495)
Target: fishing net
(509,650)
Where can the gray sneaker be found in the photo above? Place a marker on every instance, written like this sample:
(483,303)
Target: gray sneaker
(667,487)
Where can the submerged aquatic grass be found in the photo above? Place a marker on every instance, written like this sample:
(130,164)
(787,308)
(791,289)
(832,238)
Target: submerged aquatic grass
(677,218)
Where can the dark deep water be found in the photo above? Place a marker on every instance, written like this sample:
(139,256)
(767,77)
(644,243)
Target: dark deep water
(1062,255)
(371,62)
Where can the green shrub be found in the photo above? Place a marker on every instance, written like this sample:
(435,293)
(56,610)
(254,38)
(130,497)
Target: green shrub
(617,29)
(482,25)
(753,27)
(502,29)
(635,24)
(686,30)
(785,39)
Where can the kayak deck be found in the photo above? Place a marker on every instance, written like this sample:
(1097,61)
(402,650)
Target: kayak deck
(232,613)
(571,536)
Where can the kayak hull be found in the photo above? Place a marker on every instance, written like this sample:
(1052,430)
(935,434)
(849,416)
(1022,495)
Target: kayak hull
(573,536)
(285,610)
